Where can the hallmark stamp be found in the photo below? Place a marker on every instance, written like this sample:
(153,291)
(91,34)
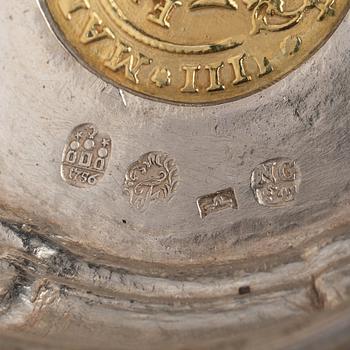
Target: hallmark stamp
(85,156)
(151,178)
(217,201)
(275,183)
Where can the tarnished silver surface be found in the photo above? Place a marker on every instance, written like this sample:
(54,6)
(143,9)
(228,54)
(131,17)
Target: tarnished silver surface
(83,260)
(45,95)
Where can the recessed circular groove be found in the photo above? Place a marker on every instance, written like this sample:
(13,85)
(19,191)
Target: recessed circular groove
(64,268)
(168,238)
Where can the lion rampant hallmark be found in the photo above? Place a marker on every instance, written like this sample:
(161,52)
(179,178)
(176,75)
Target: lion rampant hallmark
(152,177)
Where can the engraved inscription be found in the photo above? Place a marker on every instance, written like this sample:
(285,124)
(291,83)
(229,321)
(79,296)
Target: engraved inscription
(275,182)
(161,77)
(217,201)
(123,58)
(237,63)
(190,78)
(162,12)
(153,177)
(68,7)
(85,156)
(258,67)
(95,30)
(201,4)
(141,35)
(214,76)
(195,51)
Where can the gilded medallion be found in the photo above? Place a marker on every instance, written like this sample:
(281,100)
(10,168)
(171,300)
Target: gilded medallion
(193,51)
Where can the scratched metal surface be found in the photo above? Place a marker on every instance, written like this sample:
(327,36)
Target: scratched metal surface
(45,94)
(165,270)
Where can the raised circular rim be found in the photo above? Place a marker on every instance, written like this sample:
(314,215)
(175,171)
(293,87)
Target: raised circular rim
(55,29)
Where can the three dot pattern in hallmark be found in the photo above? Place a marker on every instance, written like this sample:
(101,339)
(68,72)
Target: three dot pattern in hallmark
(154,176)
(85,156)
